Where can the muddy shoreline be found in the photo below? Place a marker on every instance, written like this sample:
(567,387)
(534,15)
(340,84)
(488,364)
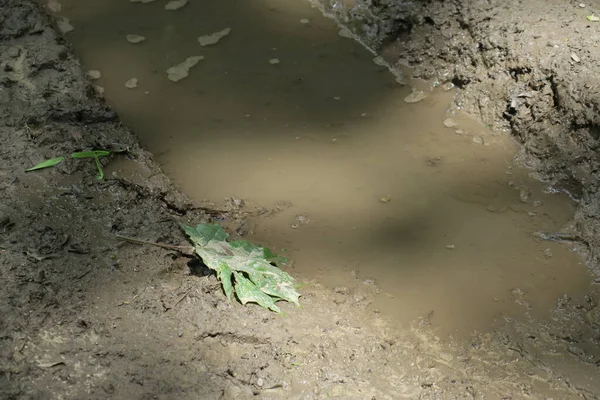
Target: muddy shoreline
(517,70)
(84,316)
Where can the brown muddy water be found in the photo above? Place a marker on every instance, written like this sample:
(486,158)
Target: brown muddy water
(373,191)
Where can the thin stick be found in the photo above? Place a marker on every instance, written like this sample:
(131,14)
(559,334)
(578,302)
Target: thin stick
(187,250)
(180,299)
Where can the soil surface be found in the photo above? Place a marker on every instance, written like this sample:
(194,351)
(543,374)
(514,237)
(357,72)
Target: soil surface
(85,316)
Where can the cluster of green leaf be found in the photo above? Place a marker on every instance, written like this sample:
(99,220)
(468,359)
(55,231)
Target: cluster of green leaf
(95,154)
(243,268)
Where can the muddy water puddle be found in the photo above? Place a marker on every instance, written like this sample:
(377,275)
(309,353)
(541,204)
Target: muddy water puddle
(265,101)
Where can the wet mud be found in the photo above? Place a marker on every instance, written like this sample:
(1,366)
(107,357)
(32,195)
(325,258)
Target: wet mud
(85,316)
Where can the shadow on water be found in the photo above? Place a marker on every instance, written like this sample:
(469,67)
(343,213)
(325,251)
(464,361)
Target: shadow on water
(231,86)
(327,129)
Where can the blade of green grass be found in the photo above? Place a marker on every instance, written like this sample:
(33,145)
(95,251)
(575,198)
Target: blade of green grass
(100,170)
(90,154)
(46,164)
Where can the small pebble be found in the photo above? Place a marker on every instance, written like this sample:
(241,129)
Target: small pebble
(380,61)
(344,32)
(175,5)
(575,58)
(302,219)
(450,247)
(448,86)
(581,5)
(135,39)
(64,25)
(477,139)
(13,52)
(94,74)
(415,96)
(450,123)
(131,83)
(304,21)
(274,61)
(213,38)
(54,6)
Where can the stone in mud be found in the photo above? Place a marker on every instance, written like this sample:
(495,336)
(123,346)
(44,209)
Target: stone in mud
(213,38)
(54,6)
(304,21)
(99,90)
(450,123)
(302,219)
(524,195)
(64,25)
(415,96)
(400,80)
(131,83)
(175,5)
(345,32)
(131,38)
(182,70)
(379,61)
(478,140)
(448,86)
(274,61)
(94,74)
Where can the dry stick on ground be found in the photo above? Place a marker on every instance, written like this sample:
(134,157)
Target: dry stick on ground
(186,250)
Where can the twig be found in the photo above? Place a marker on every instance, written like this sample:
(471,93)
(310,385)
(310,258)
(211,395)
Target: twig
(83,274)
(180,299)
(560,237)
(186,250)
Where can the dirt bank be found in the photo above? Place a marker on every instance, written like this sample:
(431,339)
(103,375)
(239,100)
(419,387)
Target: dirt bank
(84,316)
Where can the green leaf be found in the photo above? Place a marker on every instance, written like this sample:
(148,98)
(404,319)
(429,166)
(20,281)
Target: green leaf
(593,18)
(247,292)
(90,154)
(46,164)
(202,234)
(224,274)
(256,278)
